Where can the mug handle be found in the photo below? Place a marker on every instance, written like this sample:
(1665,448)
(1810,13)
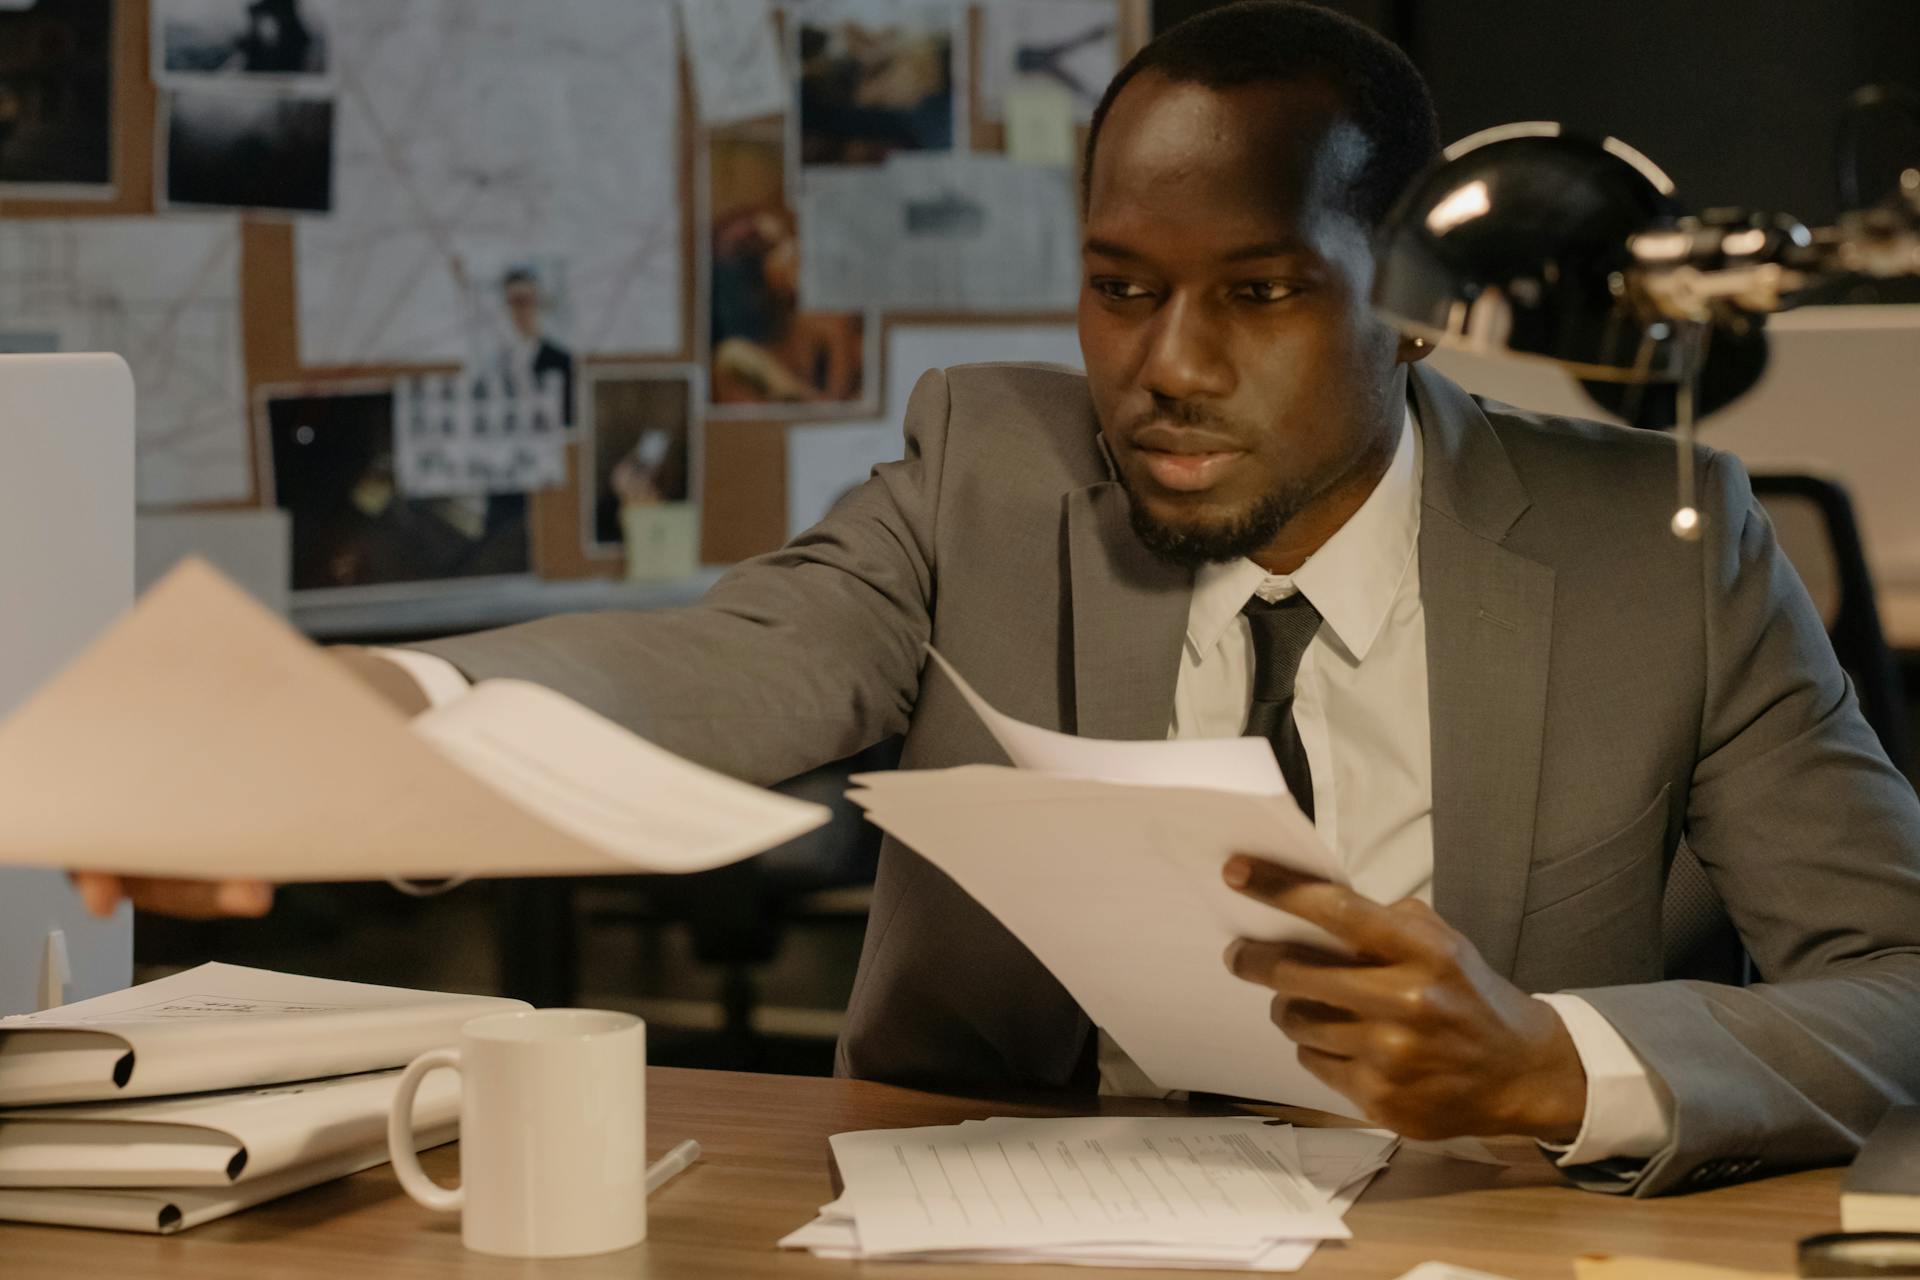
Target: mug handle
(400,1144)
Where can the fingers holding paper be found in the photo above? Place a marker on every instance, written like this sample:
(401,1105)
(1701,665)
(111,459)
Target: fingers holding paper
(188,899)
(1409,1022)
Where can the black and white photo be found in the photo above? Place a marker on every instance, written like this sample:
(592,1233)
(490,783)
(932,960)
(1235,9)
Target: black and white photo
(264,42)
(240,150)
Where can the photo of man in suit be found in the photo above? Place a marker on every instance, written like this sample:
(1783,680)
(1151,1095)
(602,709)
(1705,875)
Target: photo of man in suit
(1512,703)
(529,349)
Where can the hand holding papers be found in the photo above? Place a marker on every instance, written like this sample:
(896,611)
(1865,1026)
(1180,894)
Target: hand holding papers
(1236,1193)
(1104,859)
(202,738)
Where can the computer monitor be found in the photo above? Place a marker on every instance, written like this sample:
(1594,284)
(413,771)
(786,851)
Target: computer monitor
(66,572)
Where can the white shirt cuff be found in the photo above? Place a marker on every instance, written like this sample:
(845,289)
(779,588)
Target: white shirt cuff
(438,679)
(1629,1114)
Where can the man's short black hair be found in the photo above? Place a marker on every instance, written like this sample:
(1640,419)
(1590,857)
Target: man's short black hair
(519,275)
(1280,41)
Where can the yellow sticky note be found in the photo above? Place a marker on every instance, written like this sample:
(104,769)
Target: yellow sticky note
(1040,123)
(663,540)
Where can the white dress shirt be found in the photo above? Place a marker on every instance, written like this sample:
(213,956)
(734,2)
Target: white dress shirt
(1360,702)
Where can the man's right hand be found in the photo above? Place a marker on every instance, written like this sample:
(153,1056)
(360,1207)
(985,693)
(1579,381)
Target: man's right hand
(102,891)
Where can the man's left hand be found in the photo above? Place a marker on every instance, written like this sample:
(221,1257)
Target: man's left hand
(1412,1025)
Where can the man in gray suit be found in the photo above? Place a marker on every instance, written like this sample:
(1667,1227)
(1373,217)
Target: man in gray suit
(1504,691)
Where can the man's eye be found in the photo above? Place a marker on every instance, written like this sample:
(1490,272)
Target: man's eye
(1118,290)
(1267,290)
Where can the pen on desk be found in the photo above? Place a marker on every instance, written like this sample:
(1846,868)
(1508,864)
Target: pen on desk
(671,1163)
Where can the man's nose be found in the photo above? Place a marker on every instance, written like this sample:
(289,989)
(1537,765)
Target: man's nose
(1186,353)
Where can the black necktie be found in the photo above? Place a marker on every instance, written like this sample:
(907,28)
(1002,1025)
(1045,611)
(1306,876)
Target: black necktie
(1282,631)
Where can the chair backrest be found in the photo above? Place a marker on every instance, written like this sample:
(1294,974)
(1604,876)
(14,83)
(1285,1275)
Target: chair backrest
(1814,522)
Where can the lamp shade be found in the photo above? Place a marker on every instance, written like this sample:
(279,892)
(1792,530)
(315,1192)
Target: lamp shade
(1518,242)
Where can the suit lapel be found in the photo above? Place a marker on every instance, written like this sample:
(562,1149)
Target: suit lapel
(1489,614)
(1129,612)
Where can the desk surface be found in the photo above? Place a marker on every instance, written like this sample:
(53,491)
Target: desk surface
(765,1171)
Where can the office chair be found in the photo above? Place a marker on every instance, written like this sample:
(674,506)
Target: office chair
(1813,519)
(738,916)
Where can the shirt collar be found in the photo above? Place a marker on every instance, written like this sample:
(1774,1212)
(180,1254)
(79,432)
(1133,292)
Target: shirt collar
(1352,579)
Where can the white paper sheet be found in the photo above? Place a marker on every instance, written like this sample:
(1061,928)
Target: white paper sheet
(202,737)
(1104,859)
(1224,764)
(475,432)
(1070,44)
(472,133)
(735,53)
(1086,1181)
(824,462)
(221,1026)
(164,295)
(933,232)
(1331,1166)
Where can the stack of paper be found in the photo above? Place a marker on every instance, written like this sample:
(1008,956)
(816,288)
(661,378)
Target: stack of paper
(1233,1193)
(1104,859)
(142,1127)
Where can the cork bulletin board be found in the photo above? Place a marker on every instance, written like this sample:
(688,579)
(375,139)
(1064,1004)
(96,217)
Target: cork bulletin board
(742,461)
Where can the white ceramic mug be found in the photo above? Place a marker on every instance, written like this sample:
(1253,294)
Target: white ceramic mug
(553,1133)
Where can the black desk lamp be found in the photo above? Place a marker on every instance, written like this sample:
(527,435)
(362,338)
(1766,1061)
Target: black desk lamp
(1530,241)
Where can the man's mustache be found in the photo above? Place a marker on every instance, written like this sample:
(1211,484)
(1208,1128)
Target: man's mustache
(1183,413)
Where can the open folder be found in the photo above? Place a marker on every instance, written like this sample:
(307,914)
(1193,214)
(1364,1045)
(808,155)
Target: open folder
(203,737)
(1104,859)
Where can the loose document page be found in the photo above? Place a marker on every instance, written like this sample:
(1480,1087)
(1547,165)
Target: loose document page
(1078,1181)
(202,737)
(223,1026)
(1192,1201)
(1104,859)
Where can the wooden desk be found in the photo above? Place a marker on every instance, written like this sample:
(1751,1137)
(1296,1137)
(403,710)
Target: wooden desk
(765,1171)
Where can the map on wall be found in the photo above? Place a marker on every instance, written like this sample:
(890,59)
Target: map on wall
(475,135)
(165,296)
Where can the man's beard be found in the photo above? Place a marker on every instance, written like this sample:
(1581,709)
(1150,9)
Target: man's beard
(1217,543)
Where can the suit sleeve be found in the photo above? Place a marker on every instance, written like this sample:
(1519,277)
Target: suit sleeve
(794,659)
(1812,839)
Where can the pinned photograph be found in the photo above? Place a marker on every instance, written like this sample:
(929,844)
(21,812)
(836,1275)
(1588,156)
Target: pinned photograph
(1072,46)
(239,150)
(763,349)
(329,454)
(641,446)
(519,322)
(478,432)
(978,232)
(56,100)
(875,80)
(268,42)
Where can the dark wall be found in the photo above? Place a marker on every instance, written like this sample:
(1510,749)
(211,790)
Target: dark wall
(1737,99)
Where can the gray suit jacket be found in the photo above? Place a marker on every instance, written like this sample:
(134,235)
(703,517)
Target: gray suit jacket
(1598,689)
